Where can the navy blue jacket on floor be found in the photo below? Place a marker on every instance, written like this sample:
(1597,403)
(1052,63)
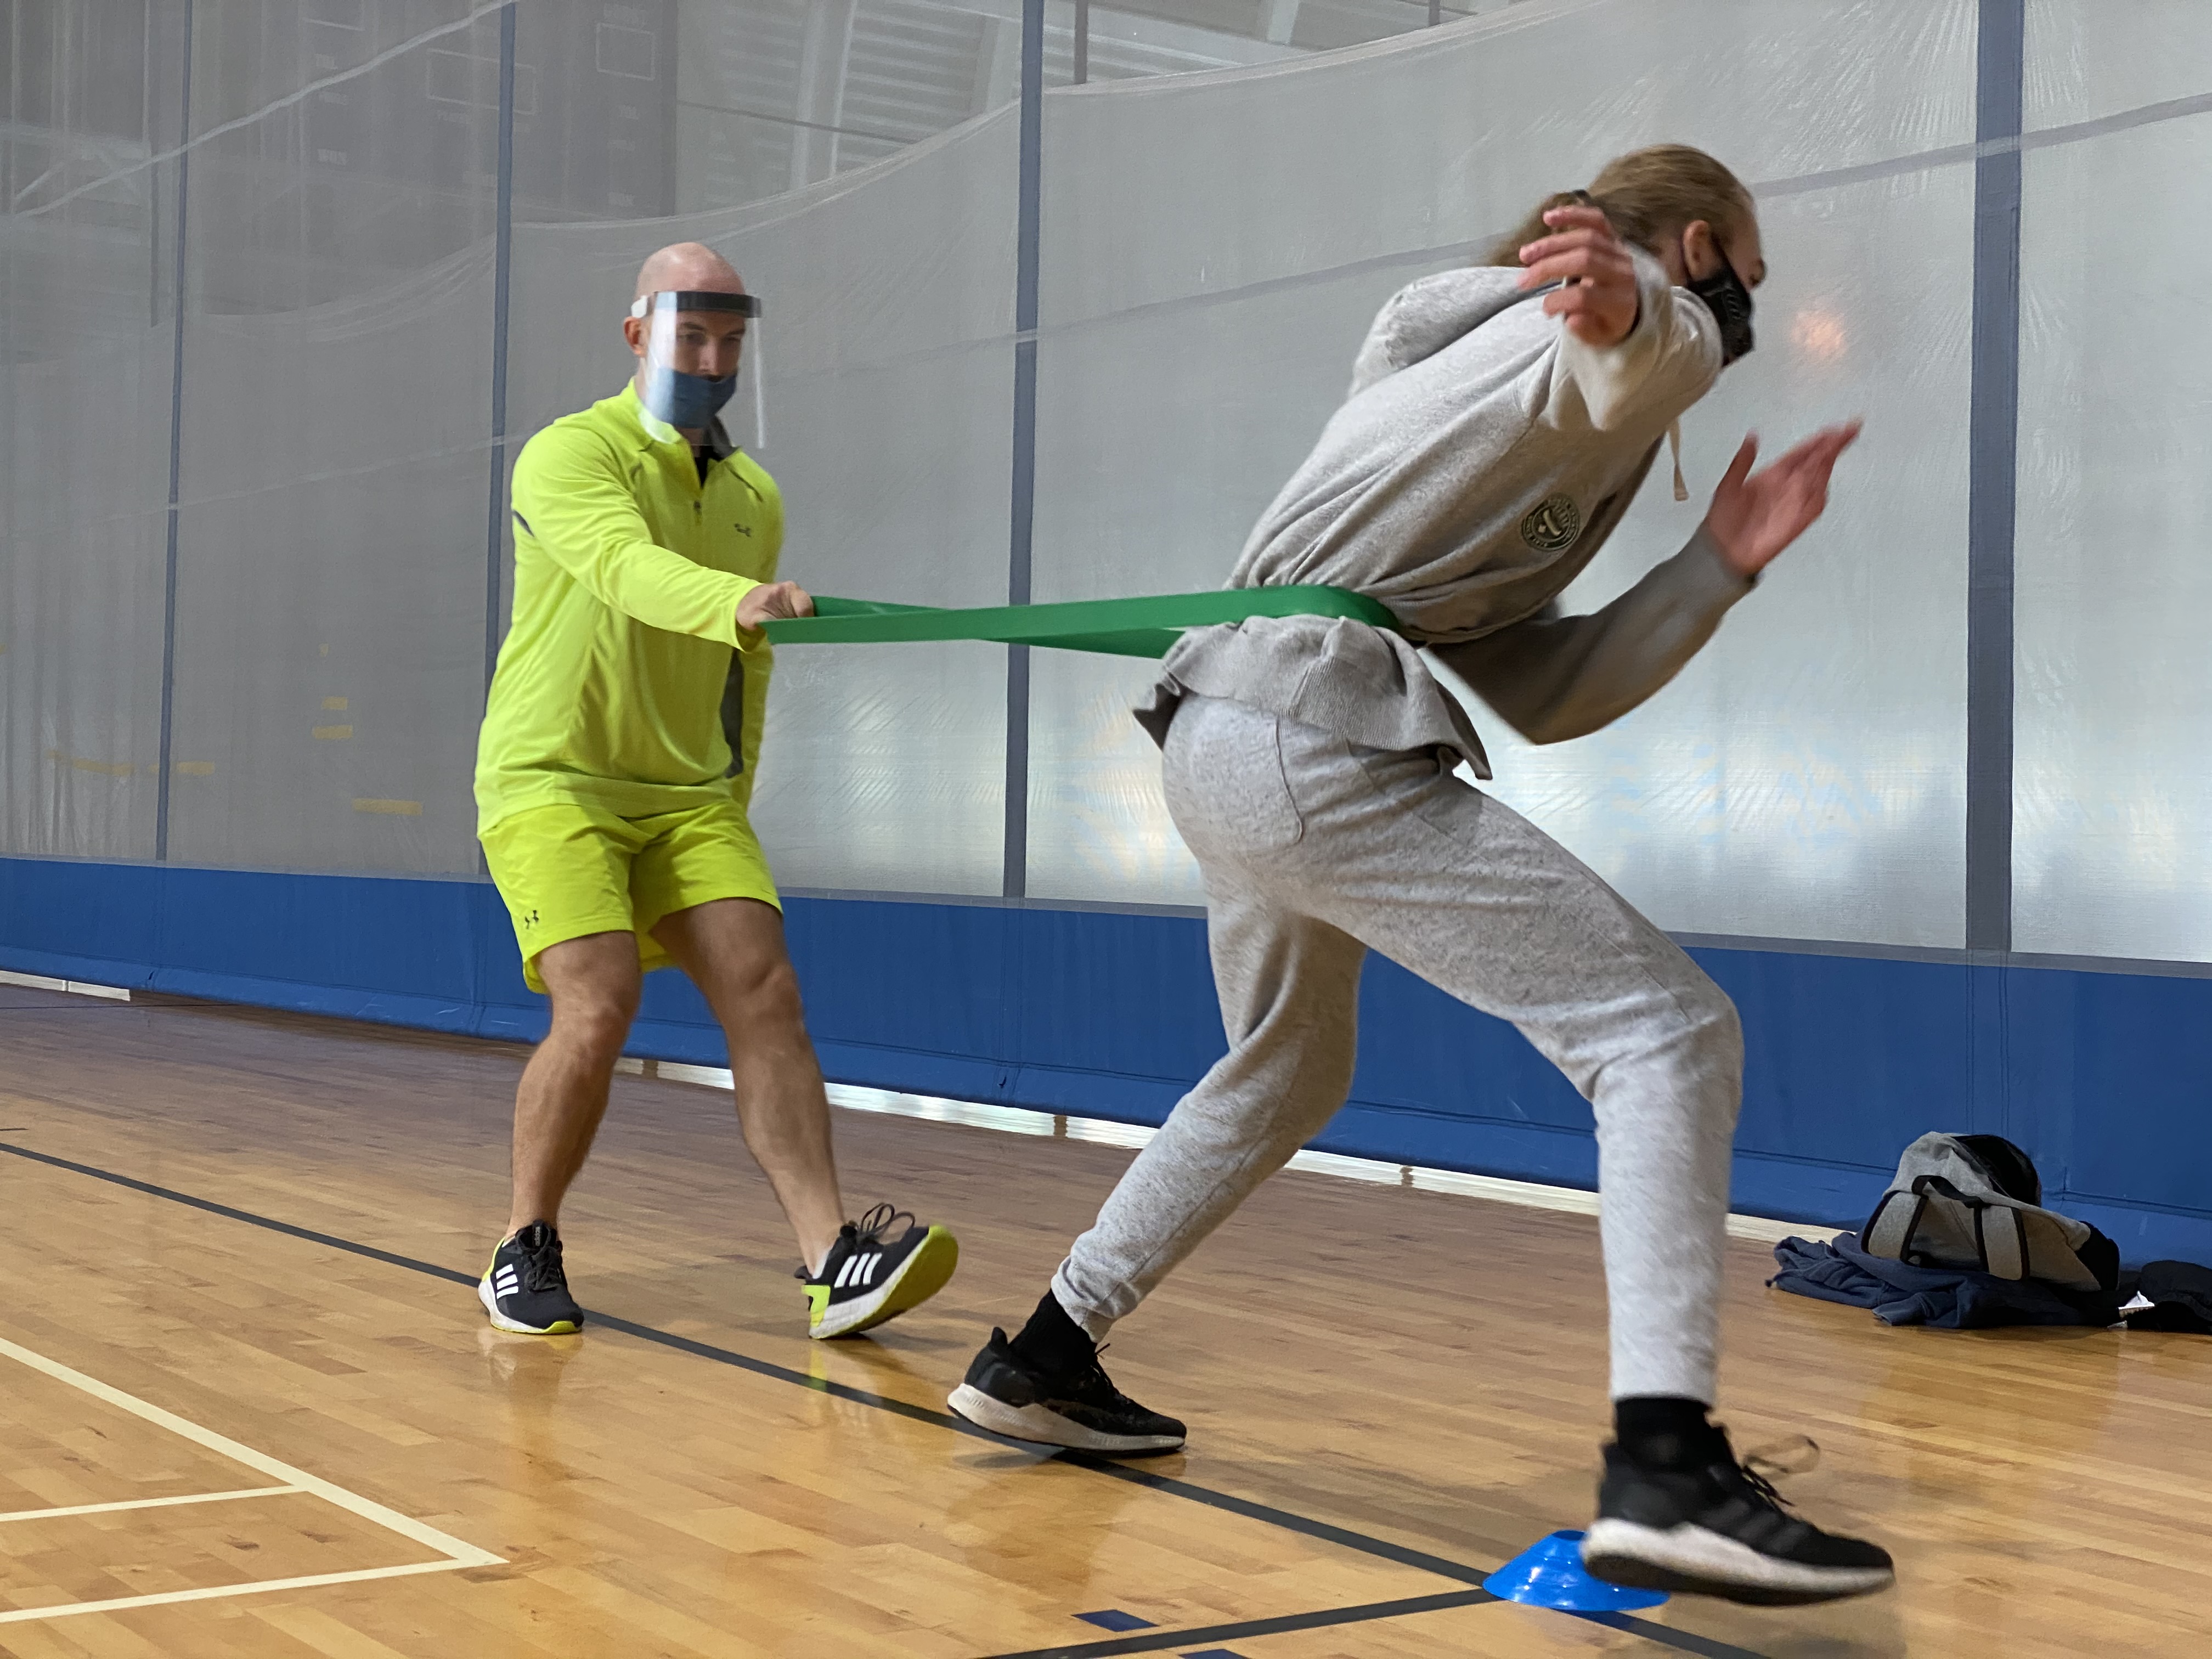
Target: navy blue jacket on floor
(1948,1299)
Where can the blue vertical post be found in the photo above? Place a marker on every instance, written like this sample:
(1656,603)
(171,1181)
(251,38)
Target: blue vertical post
(1992,448)
(176,465)
(1992,451)
(1015,883)
(503,250)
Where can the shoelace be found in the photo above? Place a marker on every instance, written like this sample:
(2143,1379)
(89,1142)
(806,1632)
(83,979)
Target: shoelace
(864,1234)
(1798,1454)
(541,1267)
(1096,1373)
(870,1227)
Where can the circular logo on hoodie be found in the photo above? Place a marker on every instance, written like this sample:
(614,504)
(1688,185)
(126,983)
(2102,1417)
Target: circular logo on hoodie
(1554,525)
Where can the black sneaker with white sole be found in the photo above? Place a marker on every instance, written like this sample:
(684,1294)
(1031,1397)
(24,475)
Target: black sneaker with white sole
(1010,1394)
(525,1289)
(1718,1527)
(868,1278)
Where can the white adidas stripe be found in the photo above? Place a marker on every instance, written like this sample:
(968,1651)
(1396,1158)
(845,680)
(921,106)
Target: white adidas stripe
(859,1271)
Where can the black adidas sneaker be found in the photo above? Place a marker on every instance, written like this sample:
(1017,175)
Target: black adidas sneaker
(1008,1394)
(1720,1529)
(868,1278)
(525,1289)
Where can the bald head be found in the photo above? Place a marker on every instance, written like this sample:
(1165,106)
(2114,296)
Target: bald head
(692,266)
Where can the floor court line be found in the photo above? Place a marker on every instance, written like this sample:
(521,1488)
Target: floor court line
(298,1482)
(215,1592)
(1665,1635)
(148,1503)
(466,1555)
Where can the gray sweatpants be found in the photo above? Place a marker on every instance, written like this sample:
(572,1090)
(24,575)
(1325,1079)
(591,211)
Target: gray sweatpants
(1315,850)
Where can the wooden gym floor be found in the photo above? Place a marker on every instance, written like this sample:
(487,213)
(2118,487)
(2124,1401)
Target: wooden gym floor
(238,1251)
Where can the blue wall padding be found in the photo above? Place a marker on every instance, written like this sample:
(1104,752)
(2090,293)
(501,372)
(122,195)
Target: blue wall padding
(2106,1078)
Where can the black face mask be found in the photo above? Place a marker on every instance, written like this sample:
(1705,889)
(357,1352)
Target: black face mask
(1729,301)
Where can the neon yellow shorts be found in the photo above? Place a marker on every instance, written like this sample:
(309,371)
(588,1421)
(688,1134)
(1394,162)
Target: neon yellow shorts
(568,869)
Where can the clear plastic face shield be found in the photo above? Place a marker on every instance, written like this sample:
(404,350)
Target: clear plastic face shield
(699,344)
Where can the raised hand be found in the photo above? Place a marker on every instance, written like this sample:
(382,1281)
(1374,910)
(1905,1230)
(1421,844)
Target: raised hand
(773,600)
(1599,301)
(1754,515)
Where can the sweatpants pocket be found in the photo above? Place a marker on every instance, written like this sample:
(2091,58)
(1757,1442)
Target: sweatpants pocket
(1222,769)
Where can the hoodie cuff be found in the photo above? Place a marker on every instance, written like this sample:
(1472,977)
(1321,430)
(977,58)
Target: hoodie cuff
(1707,579)
(1612,377)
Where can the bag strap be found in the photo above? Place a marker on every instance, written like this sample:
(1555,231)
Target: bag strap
(2003,1245)
(1888,1231)
(2001,1248)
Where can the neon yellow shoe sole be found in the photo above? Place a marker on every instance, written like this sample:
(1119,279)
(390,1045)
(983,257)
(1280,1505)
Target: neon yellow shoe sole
(926,1271)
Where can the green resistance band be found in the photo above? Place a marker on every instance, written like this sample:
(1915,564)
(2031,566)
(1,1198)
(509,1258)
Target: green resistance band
(1122,628)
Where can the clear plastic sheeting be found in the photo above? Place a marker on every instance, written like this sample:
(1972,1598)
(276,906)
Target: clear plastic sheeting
(889,391)
(334,443)
(88,94)
(330,580)
(1225,206)
(2113,794)
(1805,778)
(84,476)
(2090,60)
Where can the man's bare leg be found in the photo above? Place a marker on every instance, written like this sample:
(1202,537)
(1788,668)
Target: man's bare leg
(593,983)
(733,949)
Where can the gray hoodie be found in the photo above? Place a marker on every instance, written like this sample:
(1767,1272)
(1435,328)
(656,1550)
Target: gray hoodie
(1482,457)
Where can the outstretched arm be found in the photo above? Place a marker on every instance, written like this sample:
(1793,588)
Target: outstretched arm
(1552,677)
(571,499)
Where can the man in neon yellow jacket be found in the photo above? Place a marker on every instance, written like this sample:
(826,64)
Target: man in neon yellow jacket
(613,773)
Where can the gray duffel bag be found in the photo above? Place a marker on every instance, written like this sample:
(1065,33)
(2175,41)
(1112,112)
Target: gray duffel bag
(1975,1203)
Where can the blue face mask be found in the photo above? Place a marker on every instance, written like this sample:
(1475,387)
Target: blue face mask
(684,400)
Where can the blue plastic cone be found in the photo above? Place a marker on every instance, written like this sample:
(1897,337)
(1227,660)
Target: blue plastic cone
(1549,1574)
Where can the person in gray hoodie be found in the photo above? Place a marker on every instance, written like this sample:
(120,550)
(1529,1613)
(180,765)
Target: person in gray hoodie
(1500,420)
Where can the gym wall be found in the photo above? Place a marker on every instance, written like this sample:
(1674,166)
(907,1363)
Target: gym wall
(286,285)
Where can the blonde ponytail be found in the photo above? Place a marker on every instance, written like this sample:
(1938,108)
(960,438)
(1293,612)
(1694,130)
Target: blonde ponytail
(1648,195)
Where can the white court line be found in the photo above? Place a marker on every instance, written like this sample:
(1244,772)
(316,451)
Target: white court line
(259,1587)
(457,1553)
(148,1503)
(406,1526)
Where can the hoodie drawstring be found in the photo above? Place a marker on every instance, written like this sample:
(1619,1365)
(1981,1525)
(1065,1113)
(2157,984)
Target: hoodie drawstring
(1674,443)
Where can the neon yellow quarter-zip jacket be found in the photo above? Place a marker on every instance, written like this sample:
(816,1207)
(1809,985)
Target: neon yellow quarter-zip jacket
(614,681)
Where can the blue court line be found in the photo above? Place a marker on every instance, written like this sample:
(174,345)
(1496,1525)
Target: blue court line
(1113,1619)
